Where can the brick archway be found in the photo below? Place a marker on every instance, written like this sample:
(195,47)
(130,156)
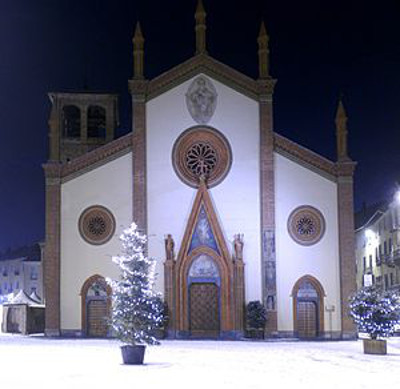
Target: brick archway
(230,274)
(308,307)
(92,305)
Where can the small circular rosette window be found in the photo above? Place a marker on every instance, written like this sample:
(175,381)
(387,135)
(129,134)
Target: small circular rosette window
(96,225)
(306,225)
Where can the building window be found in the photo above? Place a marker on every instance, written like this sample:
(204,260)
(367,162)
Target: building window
(71,121)
(385,247)
(16,271)
(364,263)
(370,261)
(96,122)
(386,281)
(391,279)
(201,152)
(5,271)
(34,274)
(33,289)
(96,225)
(306,225)
(379,280)
(390,245)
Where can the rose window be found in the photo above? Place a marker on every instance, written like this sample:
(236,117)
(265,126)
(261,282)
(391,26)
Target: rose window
(96,225)
(201,159)
(201,152)
(306,225)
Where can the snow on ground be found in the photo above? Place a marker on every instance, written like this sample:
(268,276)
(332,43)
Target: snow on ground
(37,362)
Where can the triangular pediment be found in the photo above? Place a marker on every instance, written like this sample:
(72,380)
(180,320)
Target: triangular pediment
(209,66)
(203,231)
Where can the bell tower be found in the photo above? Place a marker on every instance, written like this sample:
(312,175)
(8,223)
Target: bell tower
(80,122)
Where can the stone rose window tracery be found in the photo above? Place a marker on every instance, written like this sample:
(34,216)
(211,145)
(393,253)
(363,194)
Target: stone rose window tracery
(201,152)
(96,225)
(306,225)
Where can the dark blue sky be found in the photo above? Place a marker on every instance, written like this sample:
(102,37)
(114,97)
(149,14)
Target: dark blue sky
(319,49)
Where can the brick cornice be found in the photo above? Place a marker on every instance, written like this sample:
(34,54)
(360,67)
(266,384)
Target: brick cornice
(288,147)
(138,87)
(203,63)
(266,88)
(345,168)
(52,171)
(97,156)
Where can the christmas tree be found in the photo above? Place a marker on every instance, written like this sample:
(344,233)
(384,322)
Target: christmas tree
(136,311)
(375,312)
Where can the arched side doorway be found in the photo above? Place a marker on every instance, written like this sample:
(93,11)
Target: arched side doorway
(308,308)
(204,286)
(95,305)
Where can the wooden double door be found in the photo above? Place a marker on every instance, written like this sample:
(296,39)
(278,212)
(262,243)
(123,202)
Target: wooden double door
(307,319)
(97,315)
(204,312)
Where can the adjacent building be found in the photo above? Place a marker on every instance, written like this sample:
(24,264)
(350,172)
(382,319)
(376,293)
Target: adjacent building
(378,245)
(21,269)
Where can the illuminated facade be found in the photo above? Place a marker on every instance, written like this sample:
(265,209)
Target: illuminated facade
(378,245)
(234,212)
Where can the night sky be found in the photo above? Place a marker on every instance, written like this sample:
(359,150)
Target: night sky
(318,50)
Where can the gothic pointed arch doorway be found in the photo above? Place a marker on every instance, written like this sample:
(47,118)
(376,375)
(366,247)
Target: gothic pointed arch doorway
(204,287)
(308,308)
(95,305)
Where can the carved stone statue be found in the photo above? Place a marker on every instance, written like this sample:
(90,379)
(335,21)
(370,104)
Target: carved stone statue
(169,247)
(238,246)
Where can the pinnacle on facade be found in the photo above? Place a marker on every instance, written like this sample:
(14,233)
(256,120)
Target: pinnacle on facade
(263,52)
(200,28)
(341,132)
(138,52)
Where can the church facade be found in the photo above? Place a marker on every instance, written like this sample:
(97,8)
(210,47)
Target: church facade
(233,211)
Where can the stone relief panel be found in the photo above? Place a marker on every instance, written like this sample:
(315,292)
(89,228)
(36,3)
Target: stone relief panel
(203,234)
(203,266)
(201,100)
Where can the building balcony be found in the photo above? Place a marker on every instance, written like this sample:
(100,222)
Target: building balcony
(396,256)
(388,259)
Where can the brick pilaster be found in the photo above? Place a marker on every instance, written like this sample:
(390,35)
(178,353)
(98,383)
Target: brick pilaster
(267,182)
(169,293)
(138,91)
(239,294)
(51,259)
(345,170)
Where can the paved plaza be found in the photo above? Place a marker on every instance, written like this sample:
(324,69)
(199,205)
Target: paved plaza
(36,362)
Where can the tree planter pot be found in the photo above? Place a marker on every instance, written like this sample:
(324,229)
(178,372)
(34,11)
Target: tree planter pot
(375,346)
(255,333)
(133,355)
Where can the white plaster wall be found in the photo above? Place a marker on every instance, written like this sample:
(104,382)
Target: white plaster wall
(296,185)
(109,185)
(236,199)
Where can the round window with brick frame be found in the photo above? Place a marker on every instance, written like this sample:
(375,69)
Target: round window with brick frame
(306,225)
(96,225)
(201,152)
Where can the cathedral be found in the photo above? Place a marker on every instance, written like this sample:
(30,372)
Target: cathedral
(234,212)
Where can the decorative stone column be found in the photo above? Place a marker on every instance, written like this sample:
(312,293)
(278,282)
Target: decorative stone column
(51,259)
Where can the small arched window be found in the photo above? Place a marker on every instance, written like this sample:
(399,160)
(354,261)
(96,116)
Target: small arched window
(96,122)
(71,121)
